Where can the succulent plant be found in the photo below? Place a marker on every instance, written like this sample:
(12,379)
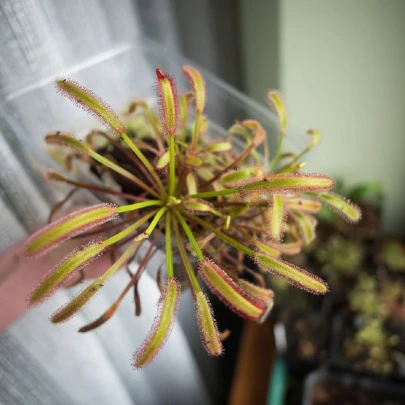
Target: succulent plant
(392,298)
(376,304)
(340,256)
(214,205)
(393,255)
(371,348)
(364,299)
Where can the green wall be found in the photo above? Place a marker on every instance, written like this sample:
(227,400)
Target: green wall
(341,67)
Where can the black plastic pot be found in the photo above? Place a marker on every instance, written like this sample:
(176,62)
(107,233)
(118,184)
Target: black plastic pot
(302,338)
(325,387)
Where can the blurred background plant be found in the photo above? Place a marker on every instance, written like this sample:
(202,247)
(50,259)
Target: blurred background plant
(362,322)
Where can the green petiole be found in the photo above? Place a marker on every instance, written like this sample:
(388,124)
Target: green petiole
(137,206)
(144,160)
(190,235)
(226,238)
(153,224)
(172,165)
(278,153)
(211,194)
(169,249)
(132,228)
(186,261)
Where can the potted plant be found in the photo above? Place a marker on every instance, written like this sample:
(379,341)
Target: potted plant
(337,253)
(221,211)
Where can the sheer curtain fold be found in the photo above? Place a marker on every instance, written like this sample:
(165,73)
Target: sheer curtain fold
(42,363)
(42,37)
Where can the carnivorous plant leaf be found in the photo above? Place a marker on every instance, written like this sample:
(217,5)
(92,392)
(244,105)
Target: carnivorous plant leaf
(162,325)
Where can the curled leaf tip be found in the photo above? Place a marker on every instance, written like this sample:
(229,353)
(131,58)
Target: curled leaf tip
(162,325)
(257,130)
(52,235)
(277,104)
(168,101)
(315,137)
(53,175)
(91,103)
(198,84)
(306,226)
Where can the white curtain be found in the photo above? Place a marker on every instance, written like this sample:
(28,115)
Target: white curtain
(41,363)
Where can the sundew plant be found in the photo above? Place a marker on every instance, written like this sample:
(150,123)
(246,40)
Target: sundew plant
(225,212)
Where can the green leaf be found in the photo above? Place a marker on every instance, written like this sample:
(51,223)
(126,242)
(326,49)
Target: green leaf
(235,178)
(270,249)
(290,248)
(70,309)
(230,293)
(306,226)
(293,274)
(316,137)
(200,207)
(163,160)
(75,305)
(162,326)
(91,103)
(276,218)
(277,104)
(59,138)
(207,325)
(52,235)
(168,101)
(65,269)
(345,208)
(191,184)
(257,131)
(219,147)
(289,182)
(198,85)
(304,205)
(262,294)
(184,100)
(192,160)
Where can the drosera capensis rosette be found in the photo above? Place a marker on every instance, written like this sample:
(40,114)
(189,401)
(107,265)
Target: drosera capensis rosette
(216,206)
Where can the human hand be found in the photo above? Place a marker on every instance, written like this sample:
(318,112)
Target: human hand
(19,276)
